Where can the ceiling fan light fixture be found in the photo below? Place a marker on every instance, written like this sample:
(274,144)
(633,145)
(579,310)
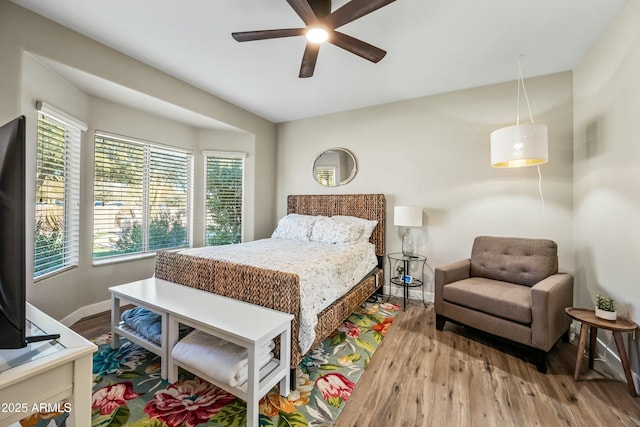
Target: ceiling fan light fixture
(320,27)
(317,35)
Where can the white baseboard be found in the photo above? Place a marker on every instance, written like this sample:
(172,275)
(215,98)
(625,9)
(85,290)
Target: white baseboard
(606,355)
(86,311)
(414,293)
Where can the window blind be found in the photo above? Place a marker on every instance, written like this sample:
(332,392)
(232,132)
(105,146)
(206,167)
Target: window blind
(57,207)
(224,197)
(326,175)
(142,197)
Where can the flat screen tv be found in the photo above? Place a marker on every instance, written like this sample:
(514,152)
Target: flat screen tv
(12,234)
(12,238)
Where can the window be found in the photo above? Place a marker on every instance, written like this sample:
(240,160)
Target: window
(142,197)
(57,207)
(326,175)
(223,186)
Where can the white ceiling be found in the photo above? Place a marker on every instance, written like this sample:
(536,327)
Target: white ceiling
(433,46)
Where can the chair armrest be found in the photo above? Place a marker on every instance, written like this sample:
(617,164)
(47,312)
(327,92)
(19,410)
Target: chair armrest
(549,298)
(448,274)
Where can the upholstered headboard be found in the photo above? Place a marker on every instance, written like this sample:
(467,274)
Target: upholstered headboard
(367,206)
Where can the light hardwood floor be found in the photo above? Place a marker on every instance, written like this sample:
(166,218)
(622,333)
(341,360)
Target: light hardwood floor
(420,376)
(458,377)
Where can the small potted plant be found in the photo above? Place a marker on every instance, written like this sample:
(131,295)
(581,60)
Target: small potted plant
(605,308)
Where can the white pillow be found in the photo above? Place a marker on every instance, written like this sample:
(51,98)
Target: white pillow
(326,230)
(294,227)
(367,225)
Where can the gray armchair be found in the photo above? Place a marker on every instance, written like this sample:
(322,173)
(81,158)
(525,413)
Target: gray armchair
(511,288)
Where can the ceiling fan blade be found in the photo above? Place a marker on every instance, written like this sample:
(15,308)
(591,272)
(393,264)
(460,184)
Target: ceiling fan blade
(245,36)
(304,11)
(358,47)
(309,60)
(353,10)
(321,8)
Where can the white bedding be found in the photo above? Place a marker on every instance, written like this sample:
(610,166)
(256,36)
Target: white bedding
(326,271)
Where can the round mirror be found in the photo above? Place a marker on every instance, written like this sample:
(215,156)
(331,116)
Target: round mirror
(334,167)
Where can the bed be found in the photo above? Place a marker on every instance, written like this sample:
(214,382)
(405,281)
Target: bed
(280,290)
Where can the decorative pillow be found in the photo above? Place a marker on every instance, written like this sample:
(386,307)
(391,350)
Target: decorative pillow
(294,227)
(326,230)
(366,224)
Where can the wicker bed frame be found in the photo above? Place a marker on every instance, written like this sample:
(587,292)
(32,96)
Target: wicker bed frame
(280,290)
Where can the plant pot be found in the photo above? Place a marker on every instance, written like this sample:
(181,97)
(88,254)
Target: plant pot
(606,315)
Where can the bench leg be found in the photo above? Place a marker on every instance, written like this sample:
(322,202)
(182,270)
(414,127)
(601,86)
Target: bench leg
(167,363)
(286,384)
(253,384)
(115,320)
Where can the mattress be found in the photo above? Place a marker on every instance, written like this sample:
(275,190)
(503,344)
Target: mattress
(326,271)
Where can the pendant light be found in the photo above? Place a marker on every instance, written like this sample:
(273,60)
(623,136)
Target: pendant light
(520,144)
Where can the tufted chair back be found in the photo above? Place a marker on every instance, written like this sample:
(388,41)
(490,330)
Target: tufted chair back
(514,259)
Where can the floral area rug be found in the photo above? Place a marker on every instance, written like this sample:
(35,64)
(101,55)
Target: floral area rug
(128,390)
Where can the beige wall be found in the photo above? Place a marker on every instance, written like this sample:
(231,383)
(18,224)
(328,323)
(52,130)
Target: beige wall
(434,152)
(607,168)
(431,151)
(23,80)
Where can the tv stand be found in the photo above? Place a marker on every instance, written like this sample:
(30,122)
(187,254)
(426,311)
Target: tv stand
(32,382)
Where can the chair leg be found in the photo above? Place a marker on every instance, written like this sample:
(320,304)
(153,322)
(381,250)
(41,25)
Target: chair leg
(541,359)
(440,321)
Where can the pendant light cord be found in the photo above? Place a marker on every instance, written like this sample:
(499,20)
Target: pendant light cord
(526,97)
(540,189)
(524,90)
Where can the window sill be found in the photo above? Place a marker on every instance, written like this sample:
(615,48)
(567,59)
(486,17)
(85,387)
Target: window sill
(53,273)
(120,259)
(129,258)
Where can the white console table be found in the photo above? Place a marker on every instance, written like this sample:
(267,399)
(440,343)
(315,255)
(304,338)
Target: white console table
(34,378)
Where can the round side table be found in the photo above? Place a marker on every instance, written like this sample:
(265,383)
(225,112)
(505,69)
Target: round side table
(588,320)
(416,282)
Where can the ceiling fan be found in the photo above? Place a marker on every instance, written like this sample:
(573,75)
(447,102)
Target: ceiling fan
(321,26)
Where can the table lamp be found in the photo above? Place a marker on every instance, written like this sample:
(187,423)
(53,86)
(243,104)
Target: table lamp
(407,216)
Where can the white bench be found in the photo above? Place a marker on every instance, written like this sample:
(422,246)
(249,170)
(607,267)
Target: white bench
(247,325)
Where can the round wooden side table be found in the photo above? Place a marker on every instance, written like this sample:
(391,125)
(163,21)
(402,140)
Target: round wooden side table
(588,320)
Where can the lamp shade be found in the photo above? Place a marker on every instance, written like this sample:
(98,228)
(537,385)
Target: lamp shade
(519,145)
(407,216)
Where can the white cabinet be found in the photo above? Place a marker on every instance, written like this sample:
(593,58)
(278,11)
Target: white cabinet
(41,374)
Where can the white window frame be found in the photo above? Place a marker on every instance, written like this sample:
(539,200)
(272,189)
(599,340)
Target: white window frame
(146,252)
(236,155)
(73,129)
